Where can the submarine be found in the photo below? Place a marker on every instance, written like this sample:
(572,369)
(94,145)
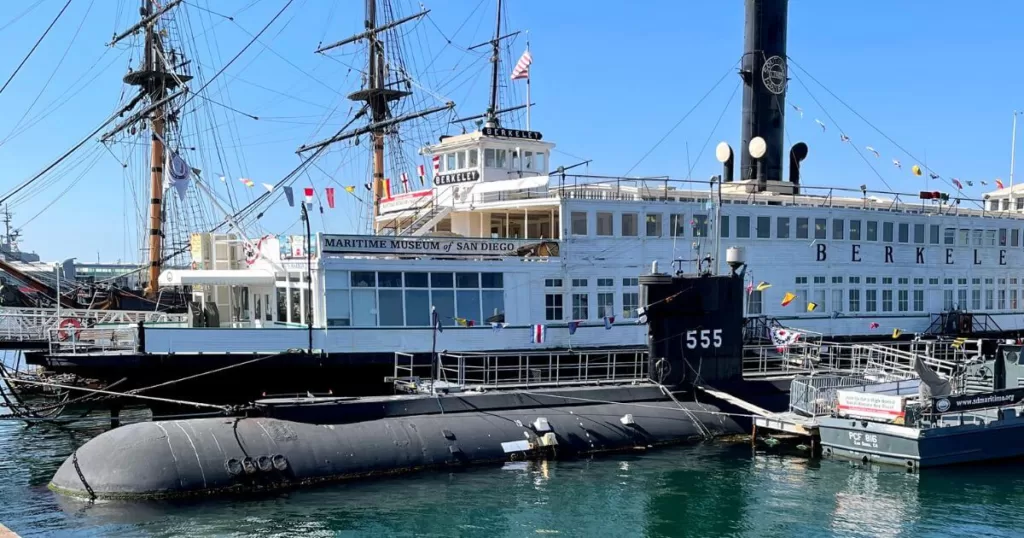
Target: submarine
(695,325)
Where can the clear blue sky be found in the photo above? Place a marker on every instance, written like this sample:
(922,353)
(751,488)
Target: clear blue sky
(609,79)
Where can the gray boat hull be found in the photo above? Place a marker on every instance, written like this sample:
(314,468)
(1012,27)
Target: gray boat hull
(919,448)
(234,455)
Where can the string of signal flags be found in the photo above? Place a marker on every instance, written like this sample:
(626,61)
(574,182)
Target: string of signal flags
(916,170)
(788,298)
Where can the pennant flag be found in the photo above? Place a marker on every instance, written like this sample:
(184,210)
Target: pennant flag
(933,175)
(351,189)
(999,184)
(465,322)
(969,183)
(289,194)
(248,182)
(798,110)
(179,174)
(896,333)
(269,187)
(498,326)
(422,172)
(405,182)
(538,334)
(843,138)
(874,325)
(437,164)
(763,286)
(819,122)
(368,187)
(330,196)
(788,298)
(522,69)
(897,164)
(984,182)
(608,322)
(916,170)
(750,287)
(811,306)
(873,150)
(958,185)
(436,320)
(308,191)
(641,315)
(573,325)
(386,188)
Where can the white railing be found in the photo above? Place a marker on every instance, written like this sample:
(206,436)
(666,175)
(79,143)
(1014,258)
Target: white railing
(526,370)
(34,324)
(74,341)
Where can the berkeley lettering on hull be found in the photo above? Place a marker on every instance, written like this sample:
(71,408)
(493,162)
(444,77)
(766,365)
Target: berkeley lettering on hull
(361,244)
(909,254)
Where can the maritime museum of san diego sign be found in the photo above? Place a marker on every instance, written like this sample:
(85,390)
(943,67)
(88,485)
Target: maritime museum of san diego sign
(428,246)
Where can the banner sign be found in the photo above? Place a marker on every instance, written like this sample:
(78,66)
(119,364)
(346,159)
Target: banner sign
(293,247)
(429,246)
(870,405)
(456,177)
(968,402)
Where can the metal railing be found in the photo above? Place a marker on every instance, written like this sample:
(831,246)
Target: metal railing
(108,339)
(34,324)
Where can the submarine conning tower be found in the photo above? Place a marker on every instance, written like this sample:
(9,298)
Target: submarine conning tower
(694,328)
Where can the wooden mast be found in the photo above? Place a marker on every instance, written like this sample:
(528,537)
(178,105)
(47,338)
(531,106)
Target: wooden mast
(378,105)
(157,91)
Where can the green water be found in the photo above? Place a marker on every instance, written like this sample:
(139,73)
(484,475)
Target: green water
(708,490)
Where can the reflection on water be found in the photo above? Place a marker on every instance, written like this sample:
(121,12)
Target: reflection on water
(712,490)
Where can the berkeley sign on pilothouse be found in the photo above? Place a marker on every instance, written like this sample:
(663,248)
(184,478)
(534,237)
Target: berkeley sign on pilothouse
(442,246)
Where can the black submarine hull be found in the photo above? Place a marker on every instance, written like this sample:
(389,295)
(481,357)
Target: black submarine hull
(188,458)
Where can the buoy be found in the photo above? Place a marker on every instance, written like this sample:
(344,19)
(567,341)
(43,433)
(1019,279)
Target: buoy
(68,327)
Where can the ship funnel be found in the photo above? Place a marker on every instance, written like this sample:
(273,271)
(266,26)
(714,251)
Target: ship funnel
(796,155)
(723,152)
(765,76)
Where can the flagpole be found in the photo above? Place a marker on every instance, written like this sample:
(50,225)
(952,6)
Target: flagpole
(528,92)
(1013,150)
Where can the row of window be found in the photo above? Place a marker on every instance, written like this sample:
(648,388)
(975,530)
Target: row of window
(508,159)
(792,227)
(896,295)
(554,306)
(627,282)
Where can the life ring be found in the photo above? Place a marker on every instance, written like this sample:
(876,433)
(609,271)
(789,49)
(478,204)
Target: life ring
(68,327)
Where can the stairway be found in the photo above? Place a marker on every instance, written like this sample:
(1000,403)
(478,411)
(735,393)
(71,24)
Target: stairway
(426,220)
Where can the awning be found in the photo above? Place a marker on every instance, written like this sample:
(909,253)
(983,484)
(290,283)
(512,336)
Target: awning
(534,182)
(217,277)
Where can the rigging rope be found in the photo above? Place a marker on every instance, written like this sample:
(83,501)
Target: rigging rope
(38,41)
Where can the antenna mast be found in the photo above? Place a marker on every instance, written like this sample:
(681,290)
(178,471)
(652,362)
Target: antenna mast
(492,116)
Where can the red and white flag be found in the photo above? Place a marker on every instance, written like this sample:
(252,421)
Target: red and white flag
(422,171)
(538,334)
(405,182)
(330,197)
(522,69)
(437,164)
(309,195)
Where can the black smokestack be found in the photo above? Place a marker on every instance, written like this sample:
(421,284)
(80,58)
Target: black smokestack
(764,75)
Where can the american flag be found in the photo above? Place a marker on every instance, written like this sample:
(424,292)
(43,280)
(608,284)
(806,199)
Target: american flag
(522,69)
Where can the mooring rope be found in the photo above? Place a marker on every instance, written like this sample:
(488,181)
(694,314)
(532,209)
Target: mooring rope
(201,374)
(224,408)
(638,404)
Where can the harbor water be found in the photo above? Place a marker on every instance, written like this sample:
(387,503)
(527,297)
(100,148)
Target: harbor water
(709,490)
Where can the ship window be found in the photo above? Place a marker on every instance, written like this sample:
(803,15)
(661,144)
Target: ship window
(515,159)
(676,226)
(579,223)
(977,237)
(904,232)
(449,161)
(339,309)
(417,308)
(947,300)
(580,306)
(442,280)
(854,230)
(933,281)
(990,238)
(630,282)
(1013,299)
(630,302)
(1002,237)
(553,307)
(886,300)
(782,227)
(818,298)
(493,304)
(988,300)
(489,158)
(723,227)
(629,224)
(764,227)
(988,281)
(605,305)
(579,282)
(964,238)
(364,307)
(444,302)
(552,282)
(918,300)
(800,280)
(949,236)
(887,280)
(467,280)
(837,280)
(527,160)
(933,234)
(1002,299)
(919,233)
(606,282)
(993,205)
(820,228)
(872,230)
(461,158)
(604,223)
(854,280)
(854,297)
(887,232)
(700,225)
(802,228)
(903,301)
(870,300)
(364,279)
(743,227)
(837,300)
(976,299)
(391,314)
(467,304)
(838,229)
(1006,204)
(500,158)
(870,280)
(653,221)
(754,304)
(540,159)
(903,281)
(1015,236)
(389,280)
(819,280)
(473,158)
(1020,203)
(492,280)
